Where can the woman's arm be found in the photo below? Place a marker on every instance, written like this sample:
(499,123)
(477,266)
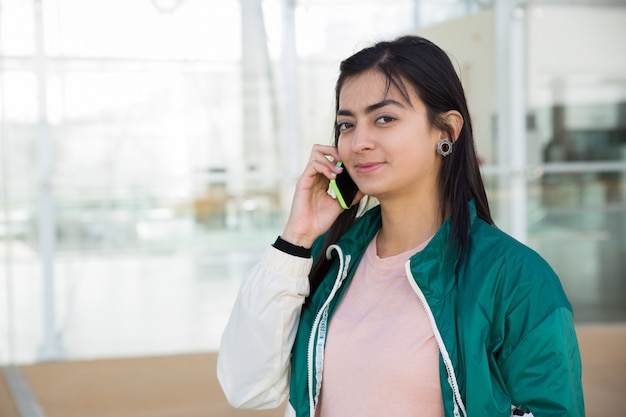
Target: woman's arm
(543,372)
(254,357)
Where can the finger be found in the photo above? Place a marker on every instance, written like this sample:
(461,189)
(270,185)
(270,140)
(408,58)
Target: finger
(326,155)
(327,152)
(331,165)
(325,168)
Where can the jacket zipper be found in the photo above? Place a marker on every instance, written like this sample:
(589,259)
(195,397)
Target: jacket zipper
(321,321)
(456,395)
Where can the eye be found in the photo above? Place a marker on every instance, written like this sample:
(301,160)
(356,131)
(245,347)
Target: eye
(343,126)
(383,120)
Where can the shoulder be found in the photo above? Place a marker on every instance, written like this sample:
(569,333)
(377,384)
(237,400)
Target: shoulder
(516,271)
(518,292)
(488,243)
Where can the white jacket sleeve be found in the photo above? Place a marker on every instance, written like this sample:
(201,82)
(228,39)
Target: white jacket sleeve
(254,358)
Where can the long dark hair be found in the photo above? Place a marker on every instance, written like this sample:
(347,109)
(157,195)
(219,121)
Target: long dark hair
(428,69)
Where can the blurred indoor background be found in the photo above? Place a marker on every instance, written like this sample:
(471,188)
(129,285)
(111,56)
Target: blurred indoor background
(149,149)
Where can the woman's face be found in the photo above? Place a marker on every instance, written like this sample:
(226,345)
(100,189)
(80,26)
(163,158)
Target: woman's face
(387,144)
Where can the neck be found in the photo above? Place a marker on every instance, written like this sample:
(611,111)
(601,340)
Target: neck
(406,225)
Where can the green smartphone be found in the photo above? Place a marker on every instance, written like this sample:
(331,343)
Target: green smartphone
(344,188)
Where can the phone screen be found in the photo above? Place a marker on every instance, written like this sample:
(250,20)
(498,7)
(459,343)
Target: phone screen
(345,189)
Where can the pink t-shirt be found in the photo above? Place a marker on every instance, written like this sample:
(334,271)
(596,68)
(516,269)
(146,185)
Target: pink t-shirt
(381,357)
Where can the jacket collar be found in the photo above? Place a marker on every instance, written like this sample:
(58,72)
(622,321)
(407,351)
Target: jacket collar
(437,259)
(434,268)
(356,239)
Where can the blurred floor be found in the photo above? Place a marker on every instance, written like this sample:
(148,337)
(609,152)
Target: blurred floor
(186,386)
(163,386)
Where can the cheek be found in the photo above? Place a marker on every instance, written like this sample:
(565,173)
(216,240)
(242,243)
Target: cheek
(419,154)
(343,148)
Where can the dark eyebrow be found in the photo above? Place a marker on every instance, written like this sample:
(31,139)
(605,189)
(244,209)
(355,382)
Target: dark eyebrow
(372,107)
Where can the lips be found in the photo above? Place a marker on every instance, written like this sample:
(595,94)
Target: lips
(367,167)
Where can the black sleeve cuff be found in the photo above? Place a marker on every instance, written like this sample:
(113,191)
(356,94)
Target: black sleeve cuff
(291,249)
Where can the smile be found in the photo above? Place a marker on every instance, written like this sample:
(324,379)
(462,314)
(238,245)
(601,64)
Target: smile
(367,167)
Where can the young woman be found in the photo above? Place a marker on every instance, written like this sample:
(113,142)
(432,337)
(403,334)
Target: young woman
(417,306)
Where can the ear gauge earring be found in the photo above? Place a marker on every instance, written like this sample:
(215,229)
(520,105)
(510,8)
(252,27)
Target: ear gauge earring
(444,147)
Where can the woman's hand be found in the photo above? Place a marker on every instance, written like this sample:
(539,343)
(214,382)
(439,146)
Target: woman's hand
(313,211)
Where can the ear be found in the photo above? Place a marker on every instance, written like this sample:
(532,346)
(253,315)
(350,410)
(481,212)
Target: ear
(454,119)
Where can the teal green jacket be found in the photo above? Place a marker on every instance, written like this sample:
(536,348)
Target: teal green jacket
(503,324)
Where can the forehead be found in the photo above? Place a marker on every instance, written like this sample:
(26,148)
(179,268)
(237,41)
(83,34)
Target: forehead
(372,87)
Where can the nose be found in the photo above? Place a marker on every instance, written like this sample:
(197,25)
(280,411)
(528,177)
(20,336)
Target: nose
(362,139)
